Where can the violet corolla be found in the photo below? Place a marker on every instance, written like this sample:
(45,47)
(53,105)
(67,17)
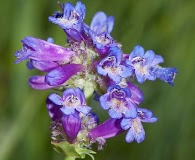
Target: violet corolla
(93,65)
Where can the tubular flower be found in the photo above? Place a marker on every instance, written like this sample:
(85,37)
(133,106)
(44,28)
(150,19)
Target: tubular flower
(91,67)
(40,50)
(111,66)
(118,101)
(71,15)
(136,130)
(145,65)
(73,100)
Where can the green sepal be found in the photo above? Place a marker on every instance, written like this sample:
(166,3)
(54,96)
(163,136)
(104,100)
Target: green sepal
(66,148)
(72,151)
(84,151)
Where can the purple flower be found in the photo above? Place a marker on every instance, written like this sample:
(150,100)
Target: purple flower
(101,24)
(72,100)
(136,130)
(47,57)
(40,50)
(111,66)
(71,125)
(118,101)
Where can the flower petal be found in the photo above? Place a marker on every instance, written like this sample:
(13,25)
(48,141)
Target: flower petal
(56,99)
(71,125)
(149,57)
(146,115)
(67,93)
(138,51)
(84,109)
(114,114)
(68,110)
(126,123)
(104,102)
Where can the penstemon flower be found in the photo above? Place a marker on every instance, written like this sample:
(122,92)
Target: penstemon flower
(92,67)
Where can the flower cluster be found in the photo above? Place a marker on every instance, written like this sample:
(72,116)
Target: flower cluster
(92,65)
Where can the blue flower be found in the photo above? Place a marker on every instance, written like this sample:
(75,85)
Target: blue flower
(70,16)
(118,101)
(99,32)
(73,100)
(136,130)
(71,20)
(146,66)
(111,66)
(141,63)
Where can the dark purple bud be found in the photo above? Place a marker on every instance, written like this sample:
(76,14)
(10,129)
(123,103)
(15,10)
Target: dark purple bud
(71,125)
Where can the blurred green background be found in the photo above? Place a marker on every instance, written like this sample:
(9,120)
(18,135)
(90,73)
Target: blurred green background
(166,26)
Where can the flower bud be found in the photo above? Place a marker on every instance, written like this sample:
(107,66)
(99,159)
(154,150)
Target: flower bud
(71,125)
